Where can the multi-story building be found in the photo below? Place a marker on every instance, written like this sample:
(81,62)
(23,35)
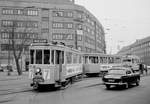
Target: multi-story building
(140,48)
(54,20)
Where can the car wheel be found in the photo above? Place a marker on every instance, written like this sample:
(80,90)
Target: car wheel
(107,86)
(137,82)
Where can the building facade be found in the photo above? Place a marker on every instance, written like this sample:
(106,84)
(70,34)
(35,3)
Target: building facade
(140,48)
(54,20)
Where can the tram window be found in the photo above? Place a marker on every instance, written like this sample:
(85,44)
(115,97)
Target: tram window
(38,56)
(86,59)
(75,58)
(91,59)
(32,56)
(52,56)
(80,59)
(46,56)
(101,60)
(96,59)
(69,57)
(59,57)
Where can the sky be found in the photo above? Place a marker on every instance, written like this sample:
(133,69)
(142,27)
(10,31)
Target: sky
(124,21)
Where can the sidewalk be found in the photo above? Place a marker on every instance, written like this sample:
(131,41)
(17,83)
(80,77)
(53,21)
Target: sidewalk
(13,76)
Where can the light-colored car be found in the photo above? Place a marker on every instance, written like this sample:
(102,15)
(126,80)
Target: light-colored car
(104,68)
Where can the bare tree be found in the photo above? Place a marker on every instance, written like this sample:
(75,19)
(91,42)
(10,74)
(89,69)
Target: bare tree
(19,46)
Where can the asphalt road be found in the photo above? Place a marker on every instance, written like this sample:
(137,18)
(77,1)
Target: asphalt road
(87,91)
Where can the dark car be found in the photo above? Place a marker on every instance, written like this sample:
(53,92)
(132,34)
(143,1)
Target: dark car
(121,76)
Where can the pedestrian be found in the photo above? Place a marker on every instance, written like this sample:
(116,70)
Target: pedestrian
(141,68)
(146,69)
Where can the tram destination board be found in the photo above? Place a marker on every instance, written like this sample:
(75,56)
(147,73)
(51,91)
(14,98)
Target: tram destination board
(39,41)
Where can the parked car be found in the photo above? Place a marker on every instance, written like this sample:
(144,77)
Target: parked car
(121,76)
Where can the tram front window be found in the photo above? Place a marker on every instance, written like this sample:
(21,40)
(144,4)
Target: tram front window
(38,56)
(32,56)
(46,56)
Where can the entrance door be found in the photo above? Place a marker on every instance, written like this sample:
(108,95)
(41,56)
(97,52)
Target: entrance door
(59,61)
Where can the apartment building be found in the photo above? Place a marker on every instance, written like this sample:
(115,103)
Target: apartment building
(53,20)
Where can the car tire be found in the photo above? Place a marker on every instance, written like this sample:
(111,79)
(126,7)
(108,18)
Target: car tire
(137,82)
(107,86)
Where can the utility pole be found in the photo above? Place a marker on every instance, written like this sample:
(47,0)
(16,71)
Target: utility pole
(8,66)
(95,36)
(76,40)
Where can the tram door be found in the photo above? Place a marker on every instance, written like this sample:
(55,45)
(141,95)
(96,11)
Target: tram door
(59,61)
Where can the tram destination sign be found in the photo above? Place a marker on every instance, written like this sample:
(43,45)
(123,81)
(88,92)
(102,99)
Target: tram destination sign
(40,41)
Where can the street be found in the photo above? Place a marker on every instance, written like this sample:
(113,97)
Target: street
(87,91)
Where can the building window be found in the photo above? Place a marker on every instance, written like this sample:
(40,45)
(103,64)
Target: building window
(57,25)
(79,38)
(69,14)
(27,24)
(19,35)
(58,13)
(45,18)
(13,11)
(45,30)
(79,15)
(69,25)
(32,12)
(7,23)
(62,25)
(6,47)
(61,36)
(7,11)
(79,27)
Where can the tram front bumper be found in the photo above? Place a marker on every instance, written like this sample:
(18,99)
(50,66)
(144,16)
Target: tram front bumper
(37,80)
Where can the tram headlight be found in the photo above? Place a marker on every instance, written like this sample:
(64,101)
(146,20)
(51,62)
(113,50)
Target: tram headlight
(38,70)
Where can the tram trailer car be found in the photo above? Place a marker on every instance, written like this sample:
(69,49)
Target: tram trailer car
(93,63)
(53,64)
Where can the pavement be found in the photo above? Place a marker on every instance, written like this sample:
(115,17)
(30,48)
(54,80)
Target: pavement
(13,76)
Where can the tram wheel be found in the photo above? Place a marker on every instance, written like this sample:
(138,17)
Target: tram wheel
(35,86)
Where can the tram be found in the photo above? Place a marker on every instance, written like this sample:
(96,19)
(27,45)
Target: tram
(97,64)
(53,64)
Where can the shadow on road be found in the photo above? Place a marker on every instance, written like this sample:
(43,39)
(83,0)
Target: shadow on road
(121,88)
(46,88)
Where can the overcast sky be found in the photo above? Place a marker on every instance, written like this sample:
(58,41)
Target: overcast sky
(124,21)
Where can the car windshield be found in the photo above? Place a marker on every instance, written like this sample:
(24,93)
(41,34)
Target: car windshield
(117,71)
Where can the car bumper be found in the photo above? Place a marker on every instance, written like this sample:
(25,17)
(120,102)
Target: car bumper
(109,83)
